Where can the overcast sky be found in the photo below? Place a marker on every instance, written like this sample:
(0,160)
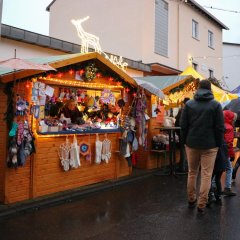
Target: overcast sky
(32,15)
(229,18)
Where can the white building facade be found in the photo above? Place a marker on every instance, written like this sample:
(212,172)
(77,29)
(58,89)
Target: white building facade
(231,63)
(173,33)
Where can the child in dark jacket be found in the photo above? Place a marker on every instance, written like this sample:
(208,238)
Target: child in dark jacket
(219,167)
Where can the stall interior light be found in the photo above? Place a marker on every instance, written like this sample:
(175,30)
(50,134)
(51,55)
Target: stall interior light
(53,135)
(80,83)
(66,135)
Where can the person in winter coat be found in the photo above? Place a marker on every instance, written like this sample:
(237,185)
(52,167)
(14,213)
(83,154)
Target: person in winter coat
(71,111)
(202,128)
(237,164)
(229,118)
(183,159)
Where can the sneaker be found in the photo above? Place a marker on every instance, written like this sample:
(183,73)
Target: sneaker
(192,204)
(228,192)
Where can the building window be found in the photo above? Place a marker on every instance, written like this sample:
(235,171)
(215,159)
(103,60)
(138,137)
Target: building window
(161,28)
(210,39)
(195,66)
(210,73)
(195,30)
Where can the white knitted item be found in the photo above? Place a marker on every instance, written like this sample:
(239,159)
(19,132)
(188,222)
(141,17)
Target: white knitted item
(64,154)
(106,150)
(98,151)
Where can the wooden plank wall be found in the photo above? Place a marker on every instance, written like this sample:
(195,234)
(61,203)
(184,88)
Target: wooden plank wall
(49,177)
(17,181)
(3,133)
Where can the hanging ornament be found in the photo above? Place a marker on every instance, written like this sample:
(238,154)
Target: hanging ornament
(98,75)
(71,72)
(84,148)
(90,72)
(107,97)
(27,85)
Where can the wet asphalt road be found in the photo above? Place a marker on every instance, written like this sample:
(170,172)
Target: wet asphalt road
(151,208)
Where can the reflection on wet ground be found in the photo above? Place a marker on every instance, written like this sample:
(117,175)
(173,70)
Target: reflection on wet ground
(151,208)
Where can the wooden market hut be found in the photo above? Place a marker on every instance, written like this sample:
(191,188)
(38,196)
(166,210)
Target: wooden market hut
(42,174)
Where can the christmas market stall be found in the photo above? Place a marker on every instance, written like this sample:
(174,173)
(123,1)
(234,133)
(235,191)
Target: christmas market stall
(176,89)
(161,145)
(85,123)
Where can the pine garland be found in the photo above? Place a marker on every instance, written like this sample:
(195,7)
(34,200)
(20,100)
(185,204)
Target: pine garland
(10,113)
(90,72)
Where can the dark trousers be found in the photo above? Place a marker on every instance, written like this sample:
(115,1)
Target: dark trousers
(218,190)
(236,166)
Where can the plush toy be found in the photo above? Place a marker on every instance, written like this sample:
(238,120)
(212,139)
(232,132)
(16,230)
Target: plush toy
(21,107)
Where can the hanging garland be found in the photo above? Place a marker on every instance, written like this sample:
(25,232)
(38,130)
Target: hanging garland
(184,85)
(88,71)
(215,82)
(10,113)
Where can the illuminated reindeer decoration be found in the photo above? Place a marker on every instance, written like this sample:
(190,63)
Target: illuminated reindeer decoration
(90,39)
(87,38)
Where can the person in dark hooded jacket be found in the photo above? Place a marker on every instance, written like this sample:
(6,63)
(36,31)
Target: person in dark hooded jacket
(202,129)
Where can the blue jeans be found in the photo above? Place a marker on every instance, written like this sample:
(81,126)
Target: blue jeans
(229,169)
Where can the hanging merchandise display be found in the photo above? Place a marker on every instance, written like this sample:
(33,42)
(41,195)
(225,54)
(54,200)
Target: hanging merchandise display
(74,161)
(21,107)
(21,144)
(12,154)
(106,149)
(141,106)
(98,150)
(84,148)
(13,130)
(64,154)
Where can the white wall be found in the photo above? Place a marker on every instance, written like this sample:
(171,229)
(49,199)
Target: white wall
(1,7)
(23,50)
(198,49)
(114,22)
(231,63)
(126,28)
(26,50)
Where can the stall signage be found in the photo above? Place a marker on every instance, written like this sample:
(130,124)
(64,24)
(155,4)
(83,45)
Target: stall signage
(88,39)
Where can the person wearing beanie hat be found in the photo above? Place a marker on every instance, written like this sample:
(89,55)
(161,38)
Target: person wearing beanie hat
(202,132)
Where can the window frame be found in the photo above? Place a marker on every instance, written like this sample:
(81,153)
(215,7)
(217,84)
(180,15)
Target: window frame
(210,39)
(159,48)
(211,73)
(195,29)
(195,66)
